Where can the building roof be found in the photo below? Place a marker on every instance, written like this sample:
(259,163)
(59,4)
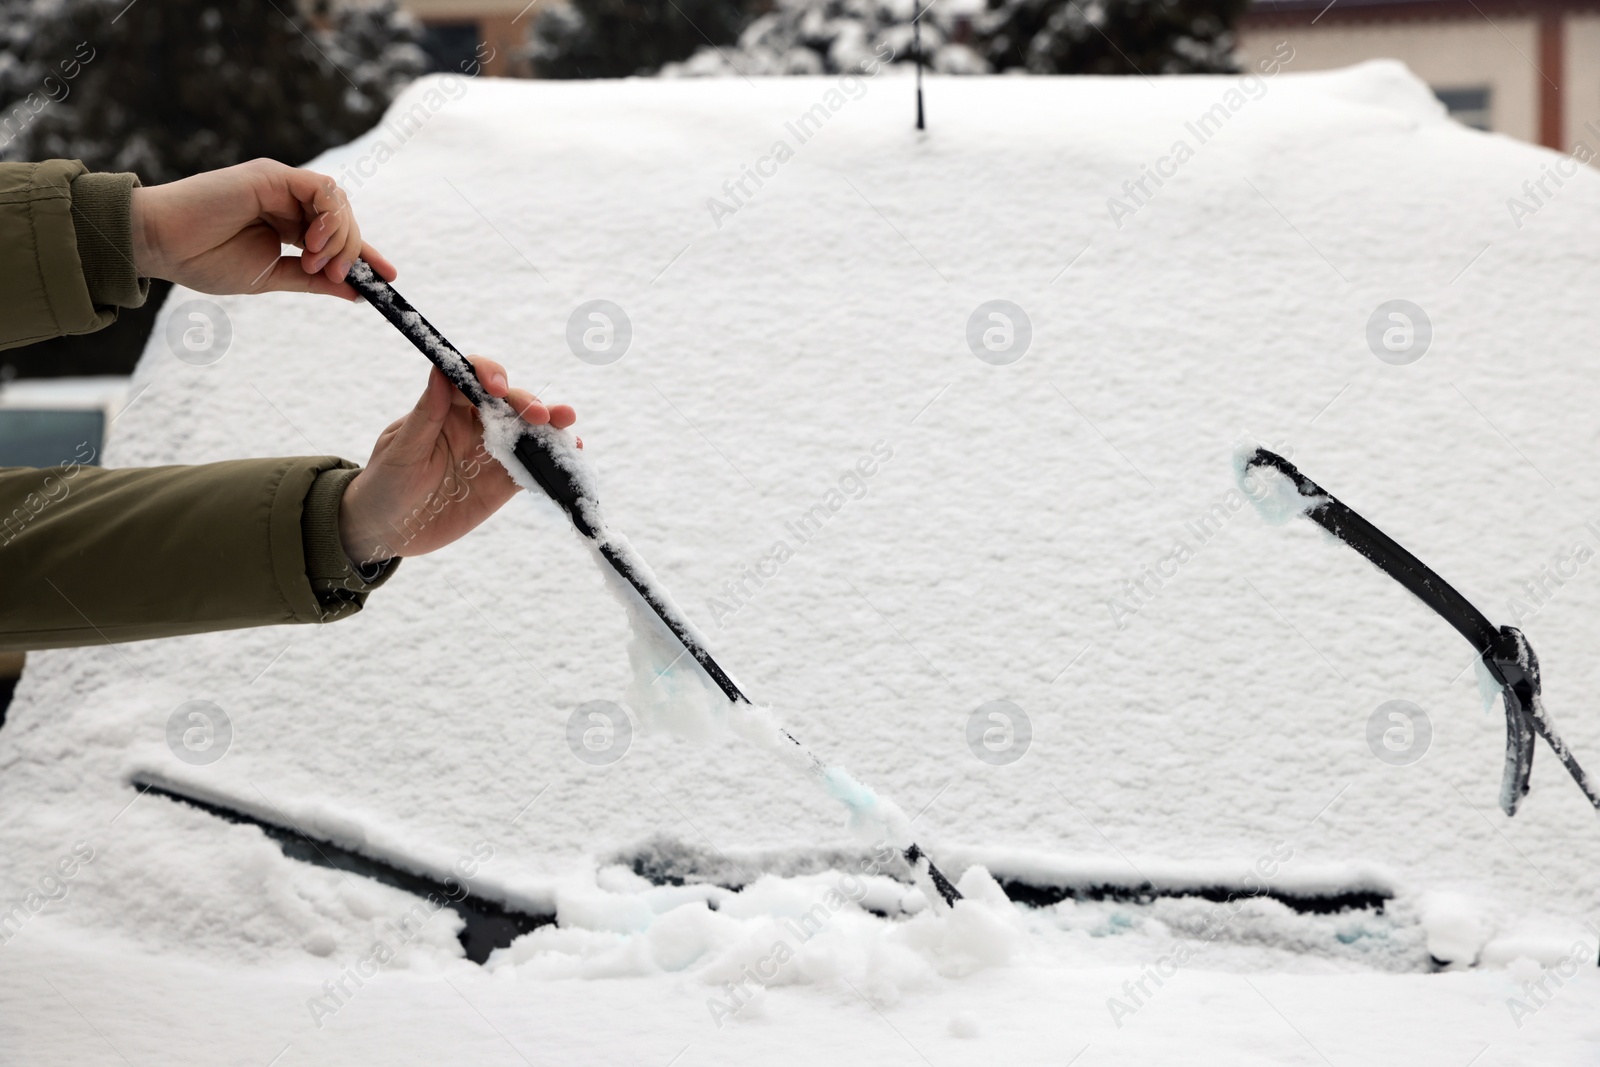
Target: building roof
(1322,11)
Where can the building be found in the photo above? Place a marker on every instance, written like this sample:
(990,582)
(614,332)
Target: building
(1526,68)
(492,31)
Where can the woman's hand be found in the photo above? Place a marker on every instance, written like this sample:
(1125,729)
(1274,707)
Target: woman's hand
(429,480)
(224,232)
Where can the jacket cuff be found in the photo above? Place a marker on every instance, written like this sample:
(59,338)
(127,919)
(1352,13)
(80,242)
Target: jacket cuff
(45,294)
(102,216)
(340,586)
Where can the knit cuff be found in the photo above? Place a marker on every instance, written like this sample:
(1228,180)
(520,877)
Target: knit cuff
(333,577)
(102,215)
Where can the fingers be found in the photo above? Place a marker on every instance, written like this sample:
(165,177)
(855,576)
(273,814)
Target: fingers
(317,194)
(332,239)
(339,264)
(533,411)
(417,433)
(492,374)
(495,382)
(316,236)
(288,276)
(527,405)
(380,263)
(309,210)
(313,197)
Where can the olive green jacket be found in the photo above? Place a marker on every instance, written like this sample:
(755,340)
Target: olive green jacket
(91,556)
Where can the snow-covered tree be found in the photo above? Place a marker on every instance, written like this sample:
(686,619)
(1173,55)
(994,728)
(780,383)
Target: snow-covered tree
(839,36)
(617,38)
(1109,36)
(750,37)
(19,77)
(175,87)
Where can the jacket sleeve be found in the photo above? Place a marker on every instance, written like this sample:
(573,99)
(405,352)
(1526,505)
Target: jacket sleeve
(66,250)
(91,556)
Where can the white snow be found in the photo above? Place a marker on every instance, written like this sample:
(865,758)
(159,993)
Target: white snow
(1457,927)
(1209,730)
(107,392)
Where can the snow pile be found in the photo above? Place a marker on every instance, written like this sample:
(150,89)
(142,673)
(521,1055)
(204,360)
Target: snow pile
(775,932)
(1457,927)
